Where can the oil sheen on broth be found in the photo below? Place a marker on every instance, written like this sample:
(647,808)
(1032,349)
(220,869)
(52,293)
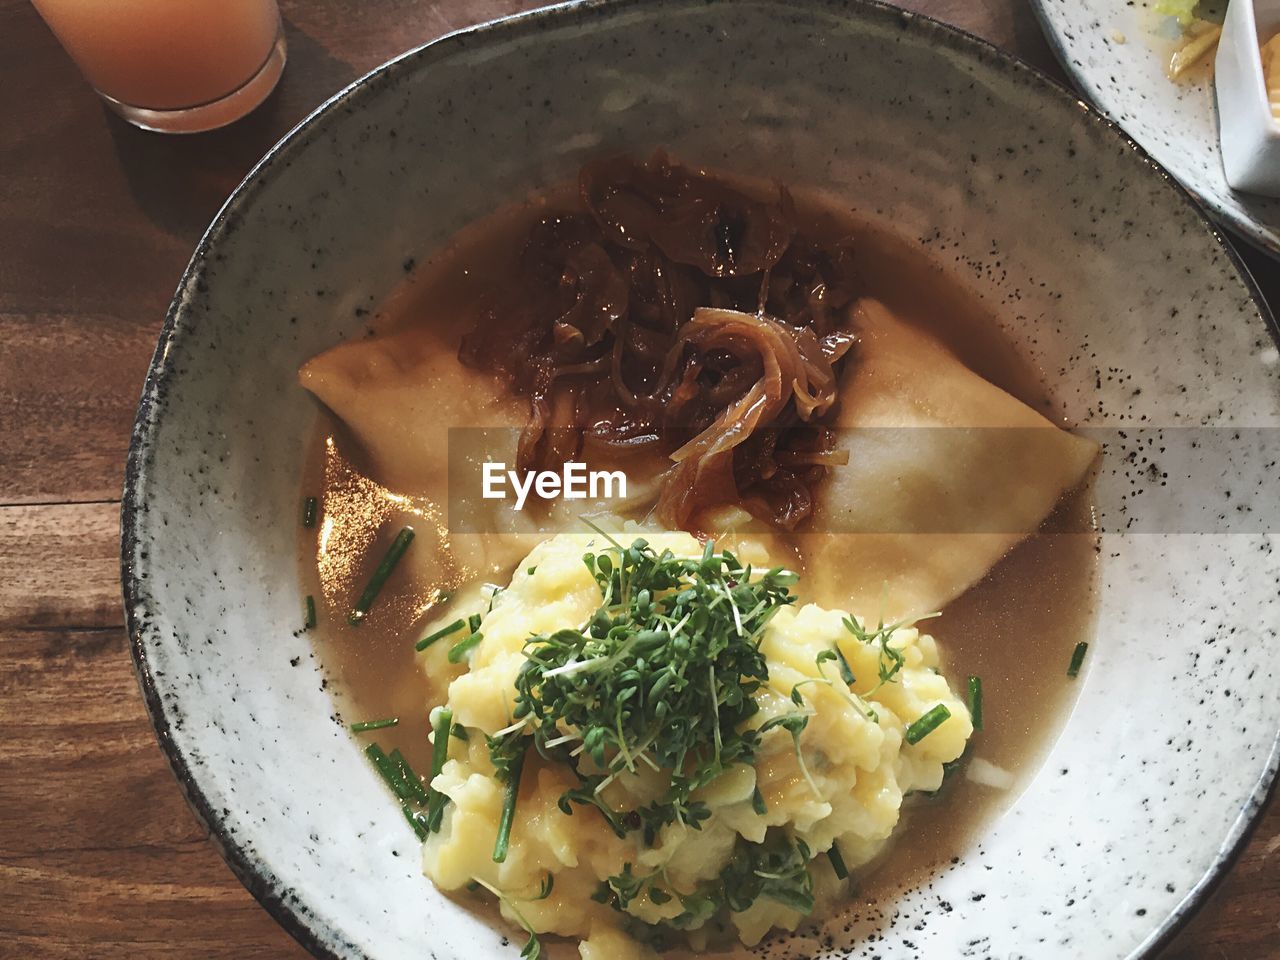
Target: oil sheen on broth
(1015,629)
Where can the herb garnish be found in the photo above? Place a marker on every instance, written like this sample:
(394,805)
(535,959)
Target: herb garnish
(926,724)
(309,612)
(891,658)
(404,783)
(439,634)
(380,575)
(390,773)
(309,510)
(441,726)
(846,674)
(464,646)
(469,642)
(533,946)
(1077,659)
(374,724)
(416,790)
(794,723)
(662,675)
(665,675)
(626,886)
(837,862)
(415,821)
(975,702)
(777,869)
(511,777)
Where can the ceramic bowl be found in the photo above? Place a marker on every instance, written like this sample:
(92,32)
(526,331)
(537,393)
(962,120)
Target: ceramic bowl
(1105,275)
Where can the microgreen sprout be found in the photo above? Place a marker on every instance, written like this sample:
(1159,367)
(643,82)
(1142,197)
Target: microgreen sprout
(632,687)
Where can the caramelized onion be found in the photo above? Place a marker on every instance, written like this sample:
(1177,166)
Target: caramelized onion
(678,313)
(703,474)
(692,219)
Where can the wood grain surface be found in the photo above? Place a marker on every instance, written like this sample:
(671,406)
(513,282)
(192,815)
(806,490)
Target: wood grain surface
(99,856)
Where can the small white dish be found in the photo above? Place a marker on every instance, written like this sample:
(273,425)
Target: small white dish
(1118,63)
(1248,131)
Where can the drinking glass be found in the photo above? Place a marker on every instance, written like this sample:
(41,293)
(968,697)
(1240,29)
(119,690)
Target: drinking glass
(177,66)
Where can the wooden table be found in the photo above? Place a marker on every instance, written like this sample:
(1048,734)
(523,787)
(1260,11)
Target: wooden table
(99,856)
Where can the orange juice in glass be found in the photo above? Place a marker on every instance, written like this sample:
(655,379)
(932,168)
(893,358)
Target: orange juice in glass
(179,66)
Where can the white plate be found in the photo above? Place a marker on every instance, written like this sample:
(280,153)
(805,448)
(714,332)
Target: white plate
(1176,122)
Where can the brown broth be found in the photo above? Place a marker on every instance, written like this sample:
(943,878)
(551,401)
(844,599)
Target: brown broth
(1016,628)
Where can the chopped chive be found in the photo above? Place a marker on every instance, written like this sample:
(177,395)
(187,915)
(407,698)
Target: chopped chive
(846,674)
(459,649)
(460,732)
(441,724)
(309,510)
(757,802)
(975,702)
(442,632)
(837,862)
(473,622)
(374,724)
(545,888)
(380,575)
(508,809)
(928,723)
(389,771)
(413,781)
(1077,658)
(532,570)
(415,821)
(309,612)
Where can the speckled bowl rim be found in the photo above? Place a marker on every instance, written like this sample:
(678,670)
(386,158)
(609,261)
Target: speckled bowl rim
(1263,238)
(137,601)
